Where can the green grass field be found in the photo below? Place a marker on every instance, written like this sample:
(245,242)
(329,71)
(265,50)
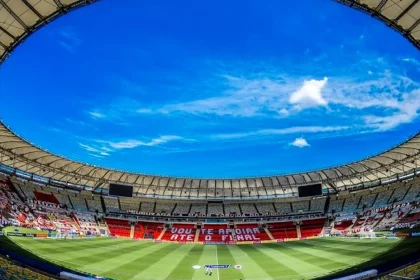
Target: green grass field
(127,259)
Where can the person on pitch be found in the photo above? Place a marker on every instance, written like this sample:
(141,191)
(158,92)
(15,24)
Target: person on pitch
(210,271)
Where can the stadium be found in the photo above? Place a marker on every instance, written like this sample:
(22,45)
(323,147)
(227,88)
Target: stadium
(64,219)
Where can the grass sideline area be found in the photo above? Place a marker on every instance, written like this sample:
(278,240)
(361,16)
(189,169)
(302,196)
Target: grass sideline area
(306,259)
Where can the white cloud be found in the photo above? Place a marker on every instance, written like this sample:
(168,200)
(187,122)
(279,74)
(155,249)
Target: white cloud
(130,144)
(309,94)
(300,143)
(281,131)
(96,115)
(69,40)
(103,148)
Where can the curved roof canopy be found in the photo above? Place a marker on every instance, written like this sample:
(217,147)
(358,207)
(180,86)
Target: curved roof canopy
(20,18)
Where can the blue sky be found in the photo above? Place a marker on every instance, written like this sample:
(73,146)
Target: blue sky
(213,88)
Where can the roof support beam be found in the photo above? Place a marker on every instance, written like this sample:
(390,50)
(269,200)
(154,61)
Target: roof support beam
(14,15)
(32,9)
(405,11)
(380,6)
(413,26)
(7,32)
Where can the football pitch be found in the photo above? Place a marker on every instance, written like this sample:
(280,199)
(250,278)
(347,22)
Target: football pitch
(128,259)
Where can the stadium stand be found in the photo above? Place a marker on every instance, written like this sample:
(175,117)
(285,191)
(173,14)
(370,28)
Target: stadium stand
(250,229)
(233,209)
(214,209)
(283,230)
(111,204)
(95,204)
(411,272)
(180,232)
(251,209)
(79,203)
(147,207)
(336,204)
(264,208)
(300,206)
(126,203)
(283,208)
(147,230)
(350,204)
(118,228)
(317,205)
(311,228)
(198,209)
(182,209)
(215,233)
(12,271)
(164,207)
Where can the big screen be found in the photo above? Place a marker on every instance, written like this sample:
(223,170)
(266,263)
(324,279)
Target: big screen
(310,190)
(120,190)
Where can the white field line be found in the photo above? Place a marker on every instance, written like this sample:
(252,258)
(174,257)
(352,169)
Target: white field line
(217,262)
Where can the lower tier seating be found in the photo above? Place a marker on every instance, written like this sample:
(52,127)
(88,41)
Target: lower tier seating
(283,230)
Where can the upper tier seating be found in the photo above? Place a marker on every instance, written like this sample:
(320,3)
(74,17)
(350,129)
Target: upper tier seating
(128,204)
(350,204)
(282,230)
(310,228)
(232,209)
(79,203)
(300,206)
(182,209)
(413,193)
(336,205)
(249,209)
(382,199)
(215,209)
(399,192)
(283,208)
(366,201)
(147,207)
(95,204)
(318,205)
(64,200)
(164,207)
(111,204)
(264,208)
(199,209)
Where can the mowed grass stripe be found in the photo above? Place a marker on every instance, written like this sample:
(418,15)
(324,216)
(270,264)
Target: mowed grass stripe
(360,244)
(162,268)
(270,265)
(135,265)
(353,255)
(224,256)
(305,267)
(207,257)
(105,254)
(250,269)
(67,246)
(347,249)
(183,269)
(318,258)
(110,267)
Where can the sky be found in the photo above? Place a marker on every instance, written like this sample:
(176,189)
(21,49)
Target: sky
(213,89)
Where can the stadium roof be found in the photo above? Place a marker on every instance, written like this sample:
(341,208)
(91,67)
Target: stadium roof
(20,18)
